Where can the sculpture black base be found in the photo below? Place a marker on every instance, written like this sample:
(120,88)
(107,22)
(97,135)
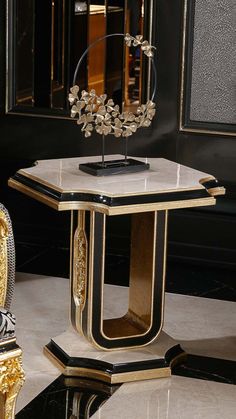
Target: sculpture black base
(114,167)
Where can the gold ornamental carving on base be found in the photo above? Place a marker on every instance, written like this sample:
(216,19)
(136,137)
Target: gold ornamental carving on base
(3,257)
(12,378)
(80,267)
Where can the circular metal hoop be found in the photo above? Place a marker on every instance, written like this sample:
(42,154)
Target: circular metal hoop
(97,113)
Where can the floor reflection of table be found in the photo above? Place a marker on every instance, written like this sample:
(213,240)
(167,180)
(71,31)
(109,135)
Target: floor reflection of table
(174,397)
(147,197)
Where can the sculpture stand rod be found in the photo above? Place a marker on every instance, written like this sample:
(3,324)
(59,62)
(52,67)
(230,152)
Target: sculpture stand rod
(103,150)
(126,149)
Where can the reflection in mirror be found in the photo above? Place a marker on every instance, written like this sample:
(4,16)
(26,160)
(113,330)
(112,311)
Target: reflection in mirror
(46,39)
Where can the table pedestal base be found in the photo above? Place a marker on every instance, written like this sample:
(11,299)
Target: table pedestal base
(75,357)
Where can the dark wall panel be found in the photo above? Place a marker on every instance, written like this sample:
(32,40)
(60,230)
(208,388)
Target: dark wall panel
(213,79)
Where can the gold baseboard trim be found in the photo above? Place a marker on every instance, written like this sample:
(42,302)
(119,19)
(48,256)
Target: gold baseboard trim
(109,378)
(141,375)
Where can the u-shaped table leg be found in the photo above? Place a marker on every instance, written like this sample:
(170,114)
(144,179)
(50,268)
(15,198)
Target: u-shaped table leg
(143,320)
(83,350)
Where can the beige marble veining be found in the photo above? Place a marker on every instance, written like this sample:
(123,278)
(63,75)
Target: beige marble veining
(41,305)
(208,326)
(163,175)
(171,398)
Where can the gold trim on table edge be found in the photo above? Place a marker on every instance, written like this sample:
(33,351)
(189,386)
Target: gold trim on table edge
(110,378)
(215,190)
(119,210)
(92,192)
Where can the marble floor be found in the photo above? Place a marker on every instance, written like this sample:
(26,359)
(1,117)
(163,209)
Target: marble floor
(204,327)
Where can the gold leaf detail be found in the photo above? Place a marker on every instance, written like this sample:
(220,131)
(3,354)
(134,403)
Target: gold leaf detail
(12,378)
(80,267)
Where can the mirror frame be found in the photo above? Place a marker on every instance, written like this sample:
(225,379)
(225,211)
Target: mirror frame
(11,108)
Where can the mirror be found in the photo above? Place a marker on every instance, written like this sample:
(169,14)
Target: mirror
(46,39)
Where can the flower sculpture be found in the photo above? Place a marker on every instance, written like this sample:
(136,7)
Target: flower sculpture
(96,112)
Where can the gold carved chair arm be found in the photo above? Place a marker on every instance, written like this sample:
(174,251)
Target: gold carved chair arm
(7,259)
(11,371)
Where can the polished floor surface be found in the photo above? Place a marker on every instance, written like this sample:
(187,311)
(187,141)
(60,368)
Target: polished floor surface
(204,327)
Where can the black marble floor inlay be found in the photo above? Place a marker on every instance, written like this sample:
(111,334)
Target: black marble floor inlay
(68,398)
(206,368)
(201,281)
(80,398)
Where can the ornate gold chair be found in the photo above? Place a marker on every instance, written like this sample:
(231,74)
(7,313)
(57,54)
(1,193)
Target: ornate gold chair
(11,372)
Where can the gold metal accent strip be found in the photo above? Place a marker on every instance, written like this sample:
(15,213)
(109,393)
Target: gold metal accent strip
(33,194)
(90,283)
(118,378)
(207,179)
(128,209)
(216,190)
(204,131)
(107,377)
(141,375)
(4,231)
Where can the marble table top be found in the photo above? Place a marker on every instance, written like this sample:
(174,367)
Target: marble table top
(166,185)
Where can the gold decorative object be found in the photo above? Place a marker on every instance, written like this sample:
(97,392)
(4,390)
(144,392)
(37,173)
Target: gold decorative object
(80,267)
(97,113)
(3,257)
(12,378)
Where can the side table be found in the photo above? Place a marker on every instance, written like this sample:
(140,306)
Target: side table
(131,347)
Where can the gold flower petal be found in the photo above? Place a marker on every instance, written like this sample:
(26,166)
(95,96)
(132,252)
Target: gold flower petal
(74,89)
